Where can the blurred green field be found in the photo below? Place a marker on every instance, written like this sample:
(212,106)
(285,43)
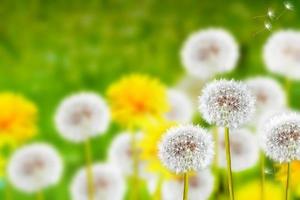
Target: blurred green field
(49,49)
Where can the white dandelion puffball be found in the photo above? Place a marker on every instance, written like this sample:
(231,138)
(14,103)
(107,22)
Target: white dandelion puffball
(268,93)
(281,138)
(108,183)
(34,167)
(227,103)
(81,116)
(244,149)
(201,187)
(121,154)
(281,53)
(191,86)
(186,148)
(181,109)
(208,52)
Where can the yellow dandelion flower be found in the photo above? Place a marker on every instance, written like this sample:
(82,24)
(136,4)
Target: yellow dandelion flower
(149,152)
(295,174)
(17,119)
(136,99)
(252,191)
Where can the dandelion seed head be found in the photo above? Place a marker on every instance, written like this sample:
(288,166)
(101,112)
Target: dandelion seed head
(209,52)
(108,183)
(34,167)
(186,148)
(281,53)
(281,137)
(227,103)
(268,93)
(244,149)
(81,116)
(181,108)
(200,185)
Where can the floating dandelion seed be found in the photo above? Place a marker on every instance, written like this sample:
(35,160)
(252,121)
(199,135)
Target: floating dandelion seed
(108,184)
(209,52)
(226,103)
(281,138)
(35,167)
(288,5)
(201,187)
(186,148)
(82,116)
(271,13)
(268,25)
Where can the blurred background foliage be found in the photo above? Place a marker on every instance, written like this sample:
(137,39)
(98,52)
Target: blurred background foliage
(49,49)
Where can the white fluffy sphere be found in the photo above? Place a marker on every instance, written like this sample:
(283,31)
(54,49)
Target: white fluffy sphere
(81,116)
(201,187)
(281,137)
(186,148)
(268,92)
(208,52)
(244,149)
(227,103)
(108,183)
(181,109)
(34,167)
(282,53)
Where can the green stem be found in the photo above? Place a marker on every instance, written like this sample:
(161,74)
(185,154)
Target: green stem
(228,158)
(135,192)
(215,164)
(185,186)
(89,171)
(8,192)
(288,86)
(262,176)
(40,195)
(157,193)
(288,177)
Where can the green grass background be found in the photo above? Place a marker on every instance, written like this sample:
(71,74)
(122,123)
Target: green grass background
(50,49)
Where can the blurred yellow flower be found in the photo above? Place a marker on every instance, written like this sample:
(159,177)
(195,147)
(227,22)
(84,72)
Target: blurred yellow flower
(149,146)
(17,119)
(136,99)
(295,175)
(252,191)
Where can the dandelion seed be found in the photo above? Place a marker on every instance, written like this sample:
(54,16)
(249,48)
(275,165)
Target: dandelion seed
(268,25)
(271,13)
(35,167)
(186,148)
(288,5)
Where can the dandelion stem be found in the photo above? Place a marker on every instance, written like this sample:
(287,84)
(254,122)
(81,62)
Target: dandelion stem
(215,165)
(135,192)
(40,195)
(157,193)
(89,172)
(288,86)
(228,158)
(262,176)
(185,186)
(288,177)
(8,192)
